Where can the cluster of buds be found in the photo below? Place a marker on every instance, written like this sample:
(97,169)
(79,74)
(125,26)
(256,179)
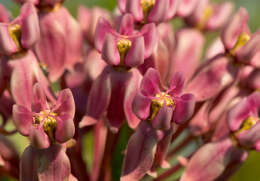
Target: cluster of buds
(157,101)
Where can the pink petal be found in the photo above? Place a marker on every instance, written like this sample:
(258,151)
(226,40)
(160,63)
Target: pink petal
(134,7)
(141,106)
(65,128)
(184,108)
(173,6)
(30,25)
(23,119)
(186,7)
(163,118)
(176,84)
(65,103)
(110,51)
(150,83)
(121,5)
(4,18)
(127,25)
(159,11)
(135,56)
(103,26)
(39,138)
(39,99)
(7,45)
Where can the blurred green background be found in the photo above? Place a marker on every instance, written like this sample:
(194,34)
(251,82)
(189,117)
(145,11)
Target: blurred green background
(250,170)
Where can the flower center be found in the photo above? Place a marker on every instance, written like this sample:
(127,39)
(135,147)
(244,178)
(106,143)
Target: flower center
(247,124)
(49,122)
(123,46)
(160,100)
(147,5)
(241,41)
(207,13)
(15,33)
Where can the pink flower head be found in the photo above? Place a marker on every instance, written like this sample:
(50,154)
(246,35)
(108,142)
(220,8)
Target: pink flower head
(162,107)
(149,10)
(238,40)
(210,16)
(126,48)
(243,121)
(22,33)
(46,123)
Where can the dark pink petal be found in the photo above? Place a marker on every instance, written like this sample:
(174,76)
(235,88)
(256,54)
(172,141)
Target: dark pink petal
(186,7)
(21,83)
(221,14)
(176,84)
(134,7)
(159,11)
(127,25)
(211,160)
(7,45)
(39,99)
(30,25)
(110,51)
(65,103)
(246,53)
(150,38)
(140,153)
(184,108)
(65,128)
(38,137)
(245,108)
(187,52)
(23,119)
(103,26)
(150,83)
(162,120)
(87,121)
(237,25)
(99,96)
(130,93)
(135,56)
(141,106)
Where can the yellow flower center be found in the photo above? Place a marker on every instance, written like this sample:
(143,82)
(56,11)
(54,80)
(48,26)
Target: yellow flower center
(161,99)
(247,124)
(123,46)
(241,41)
(207,13)
(49,122)
(147,5)
(15,33)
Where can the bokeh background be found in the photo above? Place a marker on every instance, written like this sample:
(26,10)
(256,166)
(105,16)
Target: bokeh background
(250,171)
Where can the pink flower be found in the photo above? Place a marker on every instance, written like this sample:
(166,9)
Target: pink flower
(46,123)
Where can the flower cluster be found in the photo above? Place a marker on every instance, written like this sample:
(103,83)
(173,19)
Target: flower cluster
(155,100)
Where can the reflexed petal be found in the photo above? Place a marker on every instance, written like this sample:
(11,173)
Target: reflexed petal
(184,108)
(121,5)
(186,7)
(65,128)
(140,153)
(150,83)
(23,119)
(173,6)
(39,138)
(110,52)
(130,93)
(150,38)
(7,45)
(99,96)
(135,56)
